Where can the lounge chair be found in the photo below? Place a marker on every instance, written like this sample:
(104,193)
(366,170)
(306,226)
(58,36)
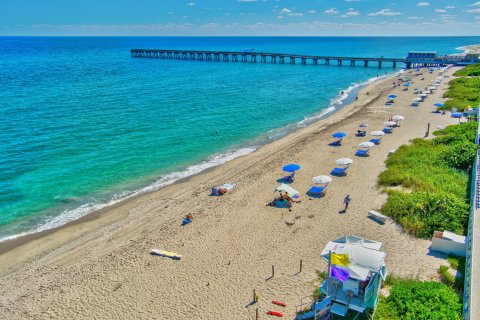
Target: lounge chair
(316,191)
(377,216)
(339,171)
(336,143)
(287,179)
(361,134)
(376,141)
(387,130)
(362,153)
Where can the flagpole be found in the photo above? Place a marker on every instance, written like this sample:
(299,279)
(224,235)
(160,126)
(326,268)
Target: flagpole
(329,262)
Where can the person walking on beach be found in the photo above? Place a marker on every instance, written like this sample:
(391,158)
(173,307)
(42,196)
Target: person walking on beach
(346,201)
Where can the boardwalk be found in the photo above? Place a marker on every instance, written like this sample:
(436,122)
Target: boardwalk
(262,57)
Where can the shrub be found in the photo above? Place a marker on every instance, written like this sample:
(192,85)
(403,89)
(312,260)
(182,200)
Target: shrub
(416,300)
(463,92)
(460,156)
(469,71)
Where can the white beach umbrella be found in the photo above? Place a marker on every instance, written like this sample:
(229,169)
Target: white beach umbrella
(432,87)
(377,133)
(366,144)
(398,117)
(322,179)
(423,95)
(417,99)
(390,123)
(425,91)
(439,78)
(344,161)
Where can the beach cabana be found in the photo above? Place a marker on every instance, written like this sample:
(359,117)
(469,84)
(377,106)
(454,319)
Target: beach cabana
(339,136)
(344,163)
(286,188)
(320,184)
(449,243)
(397,118)
(291,169)
(378,136)
(365,148)
(356,269)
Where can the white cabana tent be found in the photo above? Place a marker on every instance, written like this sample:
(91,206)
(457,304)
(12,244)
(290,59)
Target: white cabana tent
(285,187)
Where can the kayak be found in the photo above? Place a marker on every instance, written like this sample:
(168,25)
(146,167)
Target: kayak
(275,313)
(279,303)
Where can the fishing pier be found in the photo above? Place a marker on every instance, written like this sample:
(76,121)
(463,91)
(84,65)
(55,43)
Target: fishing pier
(414,59)
(262,57)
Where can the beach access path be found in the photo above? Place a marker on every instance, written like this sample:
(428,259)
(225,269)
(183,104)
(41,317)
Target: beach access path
(100,267)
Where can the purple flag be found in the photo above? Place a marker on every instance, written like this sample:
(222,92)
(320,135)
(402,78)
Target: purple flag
(339,273)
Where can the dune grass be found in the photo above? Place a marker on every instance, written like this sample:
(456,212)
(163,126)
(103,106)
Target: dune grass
(434,175)
(469,71)
(463,92)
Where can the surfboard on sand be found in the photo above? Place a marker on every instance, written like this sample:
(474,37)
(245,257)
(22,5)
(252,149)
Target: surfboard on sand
(275,313)
(167,254)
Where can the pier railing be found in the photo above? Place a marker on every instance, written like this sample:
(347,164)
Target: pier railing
(262,57)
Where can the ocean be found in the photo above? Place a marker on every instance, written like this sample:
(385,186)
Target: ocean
(83,125)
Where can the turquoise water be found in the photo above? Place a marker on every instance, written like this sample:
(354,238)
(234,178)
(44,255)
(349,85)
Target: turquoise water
(82,124)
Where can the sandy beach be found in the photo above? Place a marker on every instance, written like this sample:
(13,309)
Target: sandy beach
(100,268)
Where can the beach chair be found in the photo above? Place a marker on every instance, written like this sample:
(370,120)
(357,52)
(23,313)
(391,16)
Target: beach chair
(387,130)
(339,171)
(362,153)
(376,141)
(336,143)
(287,179)
(316,191)
(377,216)
(361,134)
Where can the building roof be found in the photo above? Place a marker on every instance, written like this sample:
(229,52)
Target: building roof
(364,255)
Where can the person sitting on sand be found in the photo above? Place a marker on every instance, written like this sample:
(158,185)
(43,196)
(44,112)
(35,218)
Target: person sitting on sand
(189,216)
(280,198)
(290,201)
(222,191)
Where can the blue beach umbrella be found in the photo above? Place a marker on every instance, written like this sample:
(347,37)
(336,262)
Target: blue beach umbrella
(438,104)
(292,167)
(392,96)
(339,135)
(406,84)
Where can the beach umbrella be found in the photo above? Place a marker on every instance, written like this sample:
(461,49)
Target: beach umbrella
(322,179)
(423,95)
(390,123)
(377,133)
(438,104)
(406,84)
(292,167)
(425,91)
(344,161)
(398,118)
(366,144)
(392,96)
(339,135)
(417,99)
(432,87)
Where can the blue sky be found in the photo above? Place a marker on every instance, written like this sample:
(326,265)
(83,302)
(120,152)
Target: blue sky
(239,17)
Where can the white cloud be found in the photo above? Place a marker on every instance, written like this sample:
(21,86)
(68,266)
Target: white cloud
(477,18)
(440,11)
(352,12)
(331,11)
(384,12)
(476,3)
(312,11)
(449,7)
(473,10)
(423,4)
(413,18)
(246,0)
(288,12)
(352,0)
(190,4)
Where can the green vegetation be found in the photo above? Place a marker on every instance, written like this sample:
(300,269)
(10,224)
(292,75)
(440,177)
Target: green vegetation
(469,71)
(417,300)
(454,281)
(434,176)
(463,92)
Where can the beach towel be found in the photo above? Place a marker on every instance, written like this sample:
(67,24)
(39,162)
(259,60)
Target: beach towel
(228,186)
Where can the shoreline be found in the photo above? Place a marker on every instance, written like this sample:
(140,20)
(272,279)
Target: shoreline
(102,268)
(98,215)
(337,103)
